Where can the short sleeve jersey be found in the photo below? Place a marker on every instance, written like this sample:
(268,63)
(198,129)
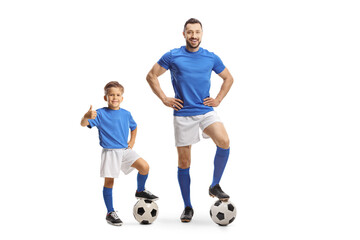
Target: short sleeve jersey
(113,126)
(190,76)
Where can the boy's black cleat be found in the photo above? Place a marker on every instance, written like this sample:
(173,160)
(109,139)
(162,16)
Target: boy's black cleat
(147,195)
(187,214)
(216,191)
(113,219)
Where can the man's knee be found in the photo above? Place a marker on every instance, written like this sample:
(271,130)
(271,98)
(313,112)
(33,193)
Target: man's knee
(184,159)
(184,163)
(223,143)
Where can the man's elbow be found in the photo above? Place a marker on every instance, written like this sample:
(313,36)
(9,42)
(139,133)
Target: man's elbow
(230,80)
(148,77)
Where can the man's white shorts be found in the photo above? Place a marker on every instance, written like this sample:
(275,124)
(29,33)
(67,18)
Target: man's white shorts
(187,128)
(114,160)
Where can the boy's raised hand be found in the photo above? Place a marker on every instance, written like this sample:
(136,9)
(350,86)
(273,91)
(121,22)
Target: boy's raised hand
(90,114)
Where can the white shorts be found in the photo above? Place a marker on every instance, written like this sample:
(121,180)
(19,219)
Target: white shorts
(114,160)
(187,128)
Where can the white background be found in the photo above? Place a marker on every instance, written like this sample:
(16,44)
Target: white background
(292,116)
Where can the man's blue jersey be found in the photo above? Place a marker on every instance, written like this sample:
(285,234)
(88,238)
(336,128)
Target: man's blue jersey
(190,76)
(113,126)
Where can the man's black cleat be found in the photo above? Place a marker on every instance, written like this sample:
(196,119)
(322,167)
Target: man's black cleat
(146,195)
(187,214)
(113,219)
(216,191)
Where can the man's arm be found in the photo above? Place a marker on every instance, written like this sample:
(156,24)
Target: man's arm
(152,79)
(225,87)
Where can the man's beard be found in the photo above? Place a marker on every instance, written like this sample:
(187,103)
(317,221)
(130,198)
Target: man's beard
(188,44)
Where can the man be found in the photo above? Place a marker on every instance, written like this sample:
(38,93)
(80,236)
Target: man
(191,68)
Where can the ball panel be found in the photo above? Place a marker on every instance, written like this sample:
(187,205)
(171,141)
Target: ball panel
(140,211)
(220,216)
(223,213)
(230,207)
(145,211)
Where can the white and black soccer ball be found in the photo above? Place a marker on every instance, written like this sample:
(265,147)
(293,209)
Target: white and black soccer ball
(223,213)
(145,211)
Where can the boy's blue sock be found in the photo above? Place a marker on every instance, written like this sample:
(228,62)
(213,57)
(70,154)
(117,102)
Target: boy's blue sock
(221,158)
(184,182)
(141,179)
(107,193)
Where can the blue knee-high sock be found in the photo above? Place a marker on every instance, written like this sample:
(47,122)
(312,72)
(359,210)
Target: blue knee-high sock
(107,193)
(221,158)
(141,179)
(184,182)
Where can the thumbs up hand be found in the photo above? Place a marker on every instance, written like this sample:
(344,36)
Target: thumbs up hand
(90,114)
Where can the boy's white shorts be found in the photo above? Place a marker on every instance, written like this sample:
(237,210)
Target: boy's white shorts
(114,160)
(186,128)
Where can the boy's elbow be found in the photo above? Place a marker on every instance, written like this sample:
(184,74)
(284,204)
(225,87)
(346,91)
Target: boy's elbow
(84,123)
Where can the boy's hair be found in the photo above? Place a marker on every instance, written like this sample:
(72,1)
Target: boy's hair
(192,21)
(113,84)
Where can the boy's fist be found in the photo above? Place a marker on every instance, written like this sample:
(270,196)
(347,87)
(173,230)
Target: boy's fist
(90,114)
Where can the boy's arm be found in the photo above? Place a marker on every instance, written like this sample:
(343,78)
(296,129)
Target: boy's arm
(89,115)
(132,138)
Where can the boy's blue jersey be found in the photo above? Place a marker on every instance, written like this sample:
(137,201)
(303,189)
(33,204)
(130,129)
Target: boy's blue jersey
(190,76)
(113,126)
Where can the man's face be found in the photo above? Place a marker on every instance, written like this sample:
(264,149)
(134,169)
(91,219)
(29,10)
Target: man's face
(193,34)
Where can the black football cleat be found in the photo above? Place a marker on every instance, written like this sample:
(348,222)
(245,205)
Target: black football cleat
(216,191)
(187,214)
(113,219)
(147,195)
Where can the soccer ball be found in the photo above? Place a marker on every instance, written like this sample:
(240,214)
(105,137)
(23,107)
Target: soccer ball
(145,211)
(223,213)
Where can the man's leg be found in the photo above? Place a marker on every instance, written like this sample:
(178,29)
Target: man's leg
(220,137)
(184,162)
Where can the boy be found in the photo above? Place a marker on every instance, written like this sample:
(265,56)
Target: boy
(113,124)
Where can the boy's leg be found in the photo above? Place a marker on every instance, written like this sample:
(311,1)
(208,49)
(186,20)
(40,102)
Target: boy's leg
(110,162)
(143,167)
(107,194)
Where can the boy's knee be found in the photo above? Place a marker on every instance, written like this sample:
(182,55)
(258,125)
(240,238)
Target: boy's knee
(144,168)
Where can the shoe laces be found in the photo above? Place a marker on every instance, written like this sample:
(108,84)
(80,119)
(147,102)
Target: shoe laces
(114,215)
(148,192)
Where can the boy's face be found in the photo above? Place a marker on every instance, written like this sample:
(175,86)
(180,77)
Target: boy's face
(114,98)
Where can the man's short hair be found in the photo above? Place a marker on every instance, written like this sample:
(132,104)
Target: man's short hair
(192,21)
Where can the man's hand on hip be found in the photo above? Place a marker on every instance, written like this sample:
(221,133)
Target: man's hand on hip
(174,103)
